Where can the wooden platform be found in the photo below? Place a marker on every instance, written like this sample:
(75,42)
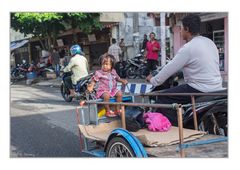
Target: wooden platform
(214,150)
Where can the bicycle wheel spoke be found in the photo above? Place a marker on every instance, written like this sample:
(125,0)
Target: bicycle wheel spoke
(120,149)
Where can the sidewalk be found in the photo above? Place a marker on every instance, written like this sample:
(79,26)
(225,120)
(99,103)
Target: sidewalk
(50,83)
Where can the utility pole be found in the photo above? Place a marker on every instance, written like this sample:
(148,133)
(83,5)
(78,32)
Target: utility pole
(29,51)
(163,38)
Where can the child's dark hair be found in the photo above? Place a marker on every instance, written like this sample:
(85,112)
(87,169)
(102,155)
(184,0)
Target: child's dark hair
(192,22)
(106,56)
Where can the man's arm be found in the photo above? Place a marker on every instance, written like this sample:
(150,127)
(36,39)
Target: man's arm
(178,62)
(156,47)
(119,50)
(68,68)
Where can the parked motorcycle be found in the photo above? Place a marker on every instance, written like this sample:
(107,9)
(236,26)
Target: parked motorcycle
(120,68)
(135,67)
(80,88)
(211,110)
(20,71)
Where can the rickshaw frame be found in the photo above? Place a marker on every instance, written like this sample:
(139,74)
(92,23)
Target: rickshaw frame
(134,142)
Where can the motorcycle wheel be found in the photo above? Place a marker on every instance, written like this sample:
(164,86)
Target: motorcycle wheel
(119,147)
(143,73)
(14,75)
(65,93)
(215,123)
(131,72)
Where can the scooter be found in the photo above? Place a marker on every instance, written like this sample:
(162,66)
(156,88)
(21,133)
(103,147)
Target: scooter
(80,88)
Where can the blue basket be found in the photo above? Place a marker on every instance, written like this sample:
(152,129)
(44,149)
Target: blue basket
(31,75)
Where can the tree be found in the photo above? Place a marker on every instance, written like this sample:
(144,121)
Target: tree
(48,25)
(86,22)
(40,25)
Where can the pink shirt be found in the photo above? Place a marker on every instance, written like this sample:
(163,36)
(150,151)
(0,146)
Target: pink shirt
(153,55)
(107,82)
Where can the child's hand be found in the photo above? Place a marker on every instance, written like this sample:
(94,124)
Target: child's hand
(124,81)
(90,87)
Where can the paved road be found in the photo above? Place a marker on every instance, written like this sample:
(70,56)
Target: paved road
(42,124)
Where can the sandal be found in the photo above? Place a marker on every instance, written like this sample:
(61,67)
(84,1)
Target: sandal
(110,114)
(118,112)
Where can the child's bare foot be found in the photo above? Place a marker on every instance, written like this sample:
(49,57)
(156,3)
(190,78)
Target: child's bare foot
(110,113)
(118,112)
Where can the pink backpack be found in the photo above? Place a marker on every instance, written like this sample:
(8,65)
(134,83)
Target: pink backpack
(156,122)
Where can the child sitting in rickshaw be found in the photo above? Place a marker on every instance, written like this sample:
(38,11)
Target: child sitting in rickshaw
(107,79)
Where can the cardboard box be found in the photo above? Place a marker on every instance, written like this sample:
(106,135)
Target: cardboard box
(102,131)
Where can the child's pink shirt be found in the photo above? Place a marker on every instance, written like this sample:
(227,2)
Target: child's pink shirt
(106,82)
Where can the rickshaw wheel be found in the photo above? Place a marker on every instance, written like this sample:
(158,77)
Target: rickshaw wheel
(119,147)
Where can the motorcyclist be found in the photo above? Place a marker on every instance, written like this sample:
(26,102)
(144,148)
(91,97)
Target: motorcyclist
(78,65)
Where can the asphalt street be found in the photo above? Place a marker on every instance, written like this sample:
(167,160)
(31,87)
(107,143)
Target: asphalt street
(42,123)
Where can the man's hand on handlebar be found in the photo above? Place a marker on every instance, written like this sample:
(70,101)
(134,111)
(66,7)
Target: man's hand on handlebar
(149,77)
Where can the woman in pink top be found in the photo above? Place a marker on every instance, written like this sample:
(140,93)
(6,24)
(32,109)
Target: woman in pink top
(152,48)
(107,79)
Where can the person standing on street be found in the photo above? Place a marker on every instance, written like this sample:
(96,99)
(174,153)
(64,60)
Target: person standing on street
(55,61)
(152,48)
(144,43)
(122,46)
(115,50)
(62,59)
(199,60)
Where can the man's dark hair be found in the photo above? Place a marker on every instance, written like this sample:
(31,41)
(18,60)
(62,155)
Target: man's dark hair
(192,22)
(153,33)
(114,40)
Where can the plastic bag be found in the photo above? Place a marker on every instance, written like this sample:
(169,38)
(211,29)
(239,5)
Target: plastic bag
(157,122)
(134,118)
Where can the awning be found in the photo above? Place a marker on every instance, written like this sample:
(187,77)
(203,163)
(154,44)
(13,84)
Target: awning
(17,44)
